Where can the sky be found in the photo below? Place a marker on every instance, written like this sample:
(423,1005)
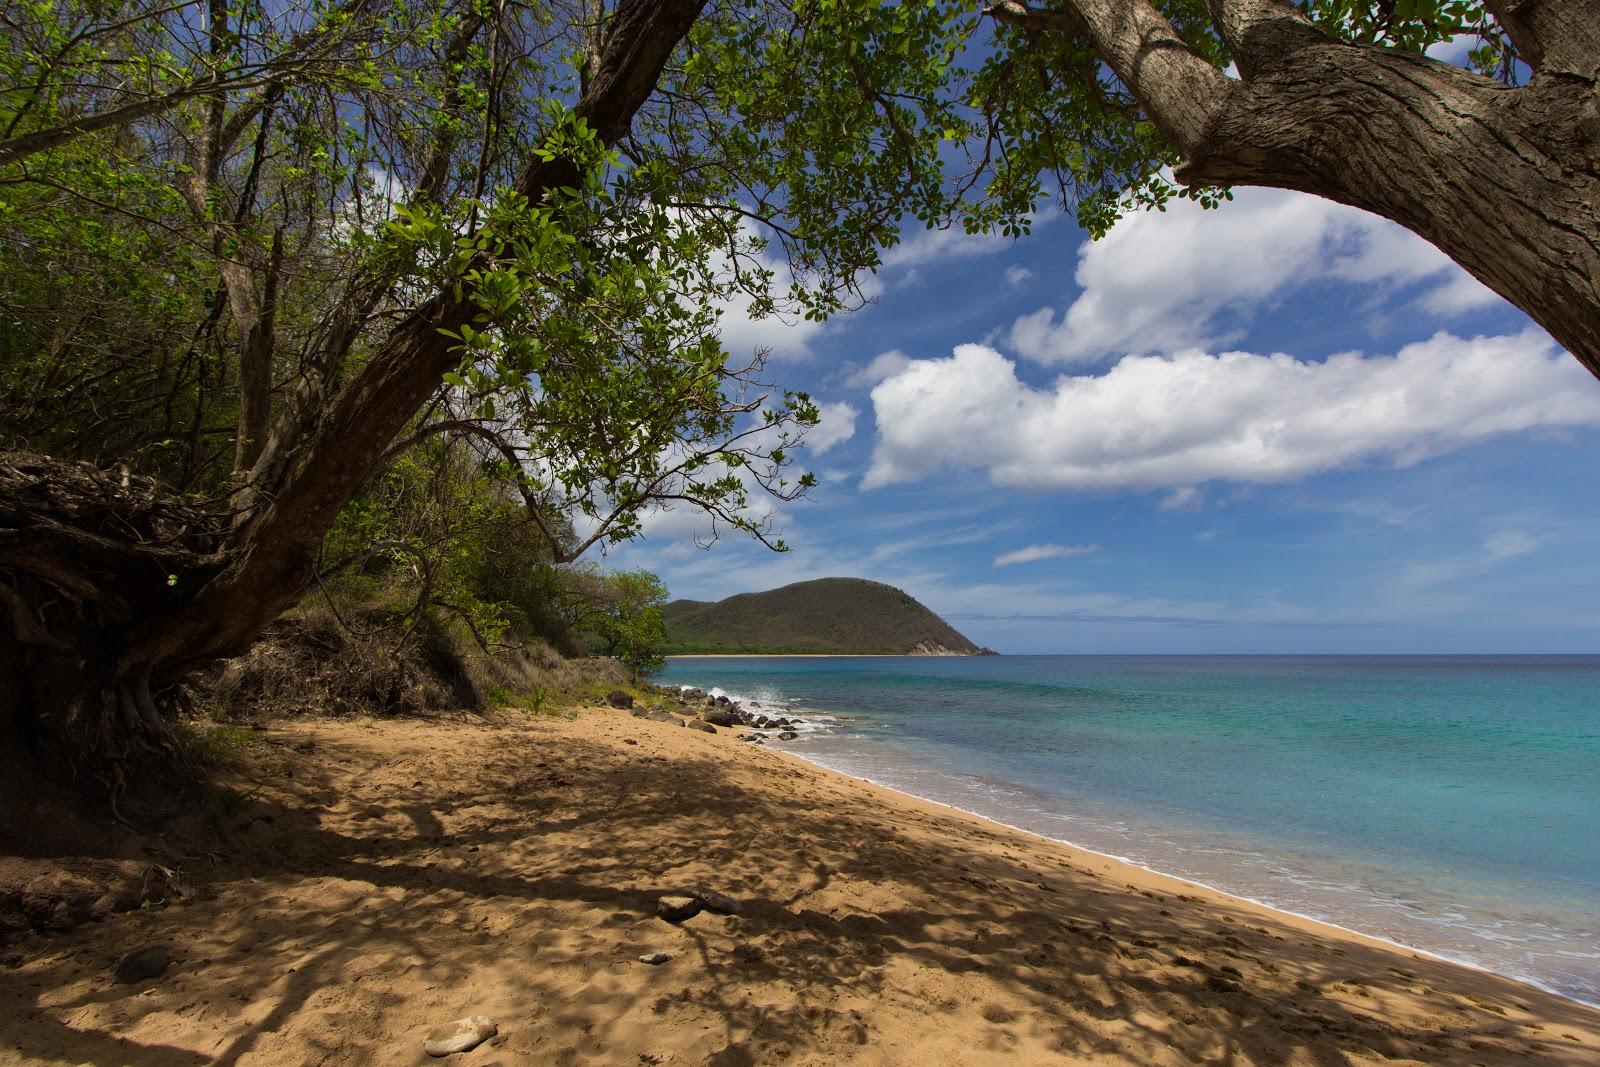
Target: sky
(1283,426)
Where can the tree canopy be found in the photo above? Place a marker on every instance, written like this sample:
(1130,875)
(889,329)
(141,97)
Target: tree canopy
(266,264)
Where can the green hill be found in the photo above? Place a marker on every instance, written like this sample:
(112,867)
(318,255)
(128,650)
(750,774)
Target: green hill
(849,616)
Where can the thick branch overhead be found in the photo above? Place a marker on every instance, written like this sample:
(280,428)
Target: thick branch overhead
(1181,90)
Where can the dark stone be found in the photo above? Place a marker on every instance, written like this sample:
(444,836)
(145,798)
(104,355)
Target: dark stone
(720,903)
(618,699)
(676,909)
(720,717)
(787,735)
(142,964)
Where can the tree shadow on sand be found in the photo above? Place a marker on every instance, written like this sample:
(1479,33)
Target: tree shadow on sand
(539,864)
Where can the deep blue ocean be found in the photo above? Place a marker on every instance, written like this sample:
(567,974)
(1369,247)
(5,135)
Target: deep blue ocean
(1449,803)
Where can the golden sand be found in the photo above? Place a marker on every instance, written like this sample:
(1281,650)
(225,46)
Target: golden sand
(410,874)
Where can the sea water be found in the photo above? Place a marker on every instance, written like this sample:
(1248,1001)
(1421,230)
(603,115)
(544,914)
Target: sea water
(1450,804)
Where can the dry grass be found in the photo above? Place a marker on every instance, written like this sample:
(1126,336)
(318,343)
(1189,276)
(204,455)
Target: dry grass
(357,662)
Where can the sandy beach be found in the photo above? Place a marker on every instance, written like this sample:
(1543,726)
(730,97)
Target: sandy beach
(379,879)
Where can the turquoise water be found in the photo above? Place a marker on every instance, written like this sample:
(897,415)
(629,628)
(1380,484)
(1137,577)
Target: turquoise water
(1451,804)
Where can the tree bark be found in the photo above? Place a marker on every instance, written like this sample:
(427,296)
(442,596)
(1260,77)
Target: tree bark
(255,368)
(1553,36)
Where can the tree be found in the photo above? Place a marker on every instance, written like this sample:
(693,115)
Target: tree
(623,610)
(510,224)
(1334,98)
(78,68)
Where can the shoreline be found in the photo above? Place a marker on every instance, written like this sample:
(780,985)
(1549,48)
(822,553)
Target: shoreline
(822,655)
(1391,909)
(380,878)
(1398,946)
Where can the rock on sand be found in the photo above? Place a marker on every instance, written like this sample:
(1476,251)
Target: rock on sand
(462,1035)
(140,964)
(676,909)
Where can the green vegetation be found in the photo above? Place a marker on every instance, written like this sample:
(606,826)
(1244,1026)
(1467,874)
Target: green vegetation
(386,302)
(849,616)
(620,613)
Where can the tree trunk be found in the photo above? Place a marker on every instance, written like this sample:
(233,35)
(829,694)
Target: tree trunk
(276,547)
(255,369)
(84,555)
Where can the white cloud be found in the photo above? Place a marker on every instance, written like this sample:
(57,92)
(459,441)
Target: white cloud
(678,526)
(1461,293)
(952,242)
(1441,576)
(925,247)
(782,335)
(1034,553)
(1183,498)
(786,334)
(884,365)
(836,424)
(1509,543)
(1166,281)
(1455,50)
(1171,422)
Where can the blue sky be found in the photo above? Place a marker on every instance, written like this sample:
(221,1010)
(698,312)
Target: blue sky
(1282,426)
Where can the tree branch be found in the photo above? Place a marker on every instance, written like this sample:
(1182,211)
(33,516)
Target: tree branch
(1180,89)
(1552,36)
